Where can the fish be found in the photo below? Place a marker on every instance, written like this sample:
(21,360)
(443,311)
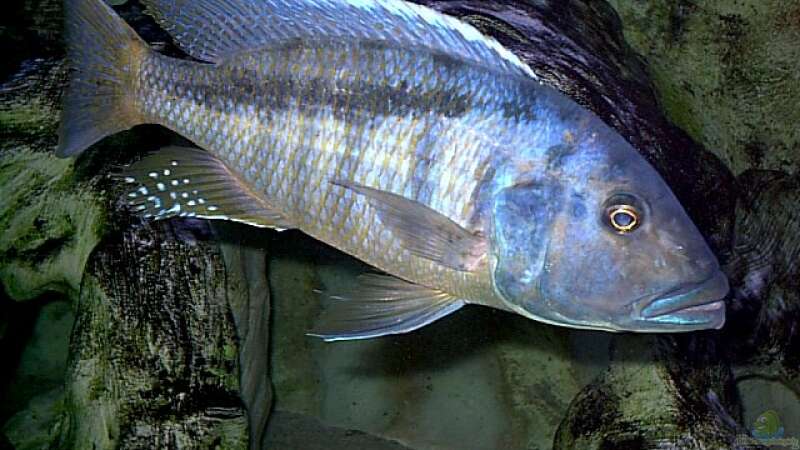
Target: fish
(402,137)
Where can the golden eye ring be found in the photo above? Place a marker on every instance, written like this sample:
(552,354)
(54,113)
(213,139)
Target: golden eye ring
(624,218)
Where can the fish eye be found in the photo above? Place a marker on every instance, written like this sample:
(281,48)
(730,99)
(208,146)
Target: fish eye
(624,218)
(622,214)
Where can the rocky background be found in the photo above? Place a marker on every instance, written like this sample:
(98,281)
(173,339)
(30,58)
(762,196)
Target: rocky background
(184,334)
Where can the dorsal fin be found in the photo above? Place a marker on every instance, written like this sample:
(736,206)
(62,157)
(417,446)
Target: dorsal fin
(210,30)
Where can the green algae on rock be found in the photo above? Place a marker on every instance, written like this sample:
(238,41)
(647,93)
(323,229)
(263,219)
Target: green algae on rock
(145,371)
(51,220)
(647,399)
(728,72)
(50,225)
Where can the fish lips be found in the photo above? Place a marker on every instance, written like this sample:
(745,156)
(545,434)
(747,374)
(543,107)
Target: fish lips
(691,307)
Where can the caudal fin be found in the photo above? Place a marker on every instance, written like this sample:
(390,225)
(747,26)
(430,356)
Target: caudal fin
(102,52)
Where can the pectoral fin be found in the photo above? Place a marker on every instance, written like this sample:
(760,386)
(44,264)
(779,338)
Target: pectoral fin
(190,182)
(424,231)
(379,305)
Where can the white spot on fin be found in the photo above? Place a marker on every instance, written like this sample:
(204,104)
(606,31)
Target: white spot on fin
(168,199)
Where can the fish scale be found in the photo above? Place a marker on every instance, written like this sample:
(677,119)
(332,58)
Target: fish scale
(292,152)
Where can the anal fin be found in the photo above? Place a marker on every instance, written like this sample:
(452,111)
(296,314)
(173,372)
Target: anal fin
(190,182)
(380,305)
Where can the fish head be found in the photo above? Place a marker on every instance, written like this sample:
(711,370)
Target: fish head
(599,241)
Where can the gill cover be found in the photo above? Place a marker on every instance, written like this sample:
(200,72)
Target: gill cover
(521,219)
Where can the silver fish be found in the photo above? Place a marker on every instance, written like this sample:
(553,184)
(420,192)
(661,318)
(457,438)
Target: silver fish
(406,139)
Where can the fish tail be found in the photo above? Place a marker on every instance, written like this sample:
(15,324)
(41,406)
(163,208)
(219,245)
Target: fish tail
(103,53)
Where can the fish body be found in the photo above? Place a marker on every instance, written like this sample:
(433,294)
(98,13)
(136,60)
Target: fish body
(298,120)
(425,150)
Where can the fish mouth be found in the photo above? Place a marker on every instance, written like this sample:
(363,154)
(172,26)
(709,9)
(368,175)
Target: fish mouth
(696,305)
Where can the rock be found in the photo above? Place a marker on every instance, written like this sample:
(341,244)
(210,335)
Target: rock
(726,72)
(42,336)
(542,368)
(290,431)
(655,394)
(760,395)
(51,218)
(155,354)
(37,425)
(50,225)
(30,27)
(293,277)
(763,335)
(248,294)
(33,397)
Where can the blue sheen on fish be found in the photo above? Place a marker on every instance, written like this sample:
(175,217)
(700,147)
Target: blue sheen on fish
(406,139)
